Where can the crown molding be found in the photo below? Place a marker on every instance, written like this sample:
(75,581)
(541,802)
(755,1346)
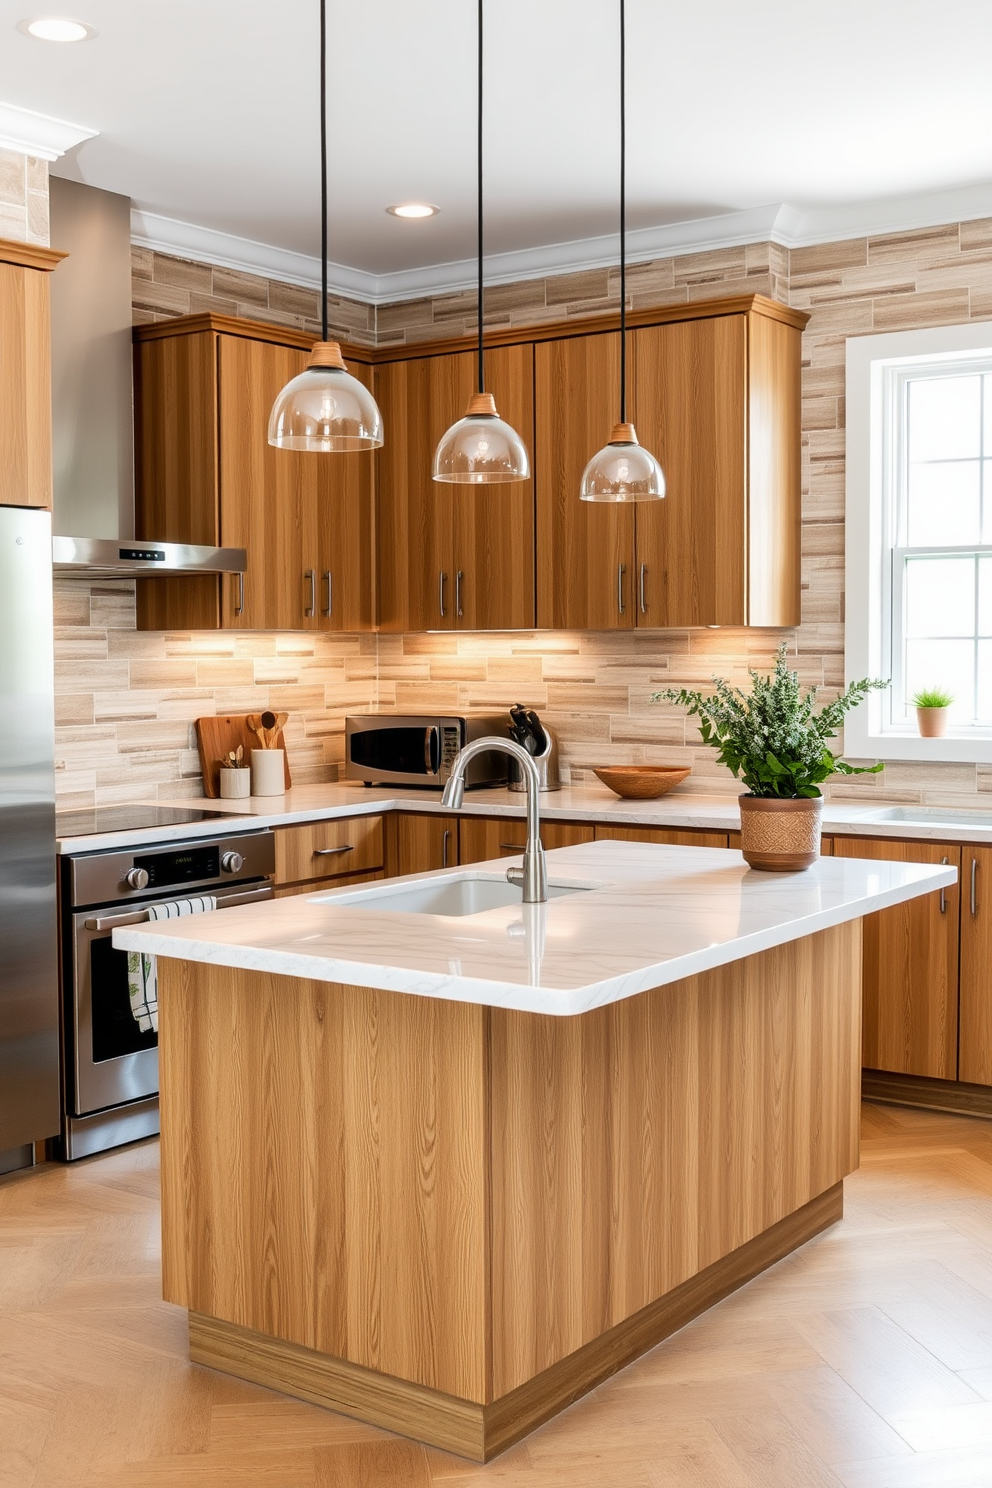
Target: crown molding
(789,226)
(39,135)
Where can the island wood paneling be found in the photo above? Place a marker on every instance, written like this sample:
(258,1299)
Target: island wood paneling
(910,968)
(633,1147)
(324,1155)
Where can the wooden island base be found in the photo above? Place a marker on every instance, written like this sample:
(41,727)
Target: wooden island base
(451,1220)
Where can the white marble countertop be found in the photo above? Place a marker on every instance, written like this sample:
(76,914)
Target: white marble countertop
(593,803)
(662,913)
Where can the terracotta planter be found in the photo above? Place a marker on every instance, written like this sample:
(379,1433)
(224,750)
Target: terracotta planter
(780,836)
(932,722)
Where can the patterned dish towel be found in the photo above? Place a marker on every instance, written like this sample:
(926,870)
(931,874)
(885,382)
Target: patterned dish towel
(142,973)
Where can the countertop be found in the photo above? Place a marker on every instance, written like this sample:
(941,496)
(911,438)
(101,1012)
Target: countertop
(594,803)
(661,914)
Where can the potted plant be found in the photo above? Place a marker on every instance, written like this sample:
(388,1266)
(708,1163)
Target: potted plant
(931,704)
(773,740)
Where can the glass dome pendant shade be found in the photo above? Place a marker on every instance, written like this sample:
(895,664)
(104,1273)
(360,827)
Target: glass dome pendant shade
(481,449)
(325,409)
(622,471)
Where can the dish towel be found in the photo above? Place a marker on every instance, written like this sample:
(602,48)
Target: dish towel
(142,973)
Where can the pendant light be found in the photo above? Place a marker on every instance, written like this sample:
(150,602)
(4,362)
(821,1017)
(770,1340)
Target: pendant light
(481,449)
(325,409)
(622,470)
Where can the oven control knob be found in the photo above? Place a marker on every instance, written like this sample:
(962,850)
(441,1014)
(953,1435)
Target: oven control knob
(136,878)
(232,862)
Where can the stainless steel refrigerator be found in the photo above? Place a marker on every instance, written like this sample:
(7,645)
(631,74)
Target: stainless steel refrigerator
(29,1023)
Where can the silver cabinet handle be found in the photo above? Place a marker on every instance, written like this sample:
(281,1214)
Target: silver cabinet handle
(458,593)
(621,571)
(514,847)
(239,608)
(974,877)
(311,578)
(640,588)
(943,894)
(442,579)
(330,852)
(330,593)
(444,847)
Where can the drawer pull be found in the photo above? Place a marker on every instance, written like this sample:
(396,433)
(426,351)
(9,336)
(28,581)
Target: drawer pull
(644,571)
(515,847)
(311,605)
(329,852)
(974,894)
(621,571)
(943,894)
(330,594)
(444,848)
(239,608)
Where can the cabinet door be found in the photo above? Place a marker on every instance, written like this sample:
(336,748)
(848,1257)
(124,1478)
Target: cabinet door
(420,844)
(661,834)
(418,399)
(975,1042)
(481,838)
(690,386)
(585,550)
(25,384)
(268,497)
(493,549)
(910,969)
(344,534)
(328,849)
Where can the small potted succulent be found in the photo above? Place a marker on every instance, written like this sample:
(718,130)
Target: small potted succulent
(931,704)
(772,739)
(235,775)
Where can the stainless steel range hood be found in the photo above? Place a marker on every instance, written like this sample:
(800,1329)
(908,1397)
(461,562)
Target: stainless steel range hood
(126,558)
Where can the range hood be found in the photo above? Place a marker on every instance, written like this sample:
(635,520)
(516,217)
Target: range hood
(126,558)
(92,438)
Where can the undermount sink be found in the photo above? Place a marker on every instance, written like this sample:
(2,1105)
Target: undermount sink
(452,896)
(947,814)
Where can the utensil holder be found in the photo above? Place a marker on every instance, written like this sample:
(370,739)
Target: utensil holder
(268,772)
(547,768)
(235,785)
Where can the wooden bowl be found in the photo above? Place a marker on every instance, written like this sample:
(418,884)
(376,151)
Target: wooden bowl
(642,782)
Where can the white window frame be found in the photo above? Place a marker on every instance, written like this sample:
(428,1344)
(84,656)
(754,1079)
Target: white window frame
(868,523)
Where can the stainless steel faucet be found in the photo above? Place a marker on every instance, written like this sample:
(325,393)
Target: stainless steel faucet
(533,876)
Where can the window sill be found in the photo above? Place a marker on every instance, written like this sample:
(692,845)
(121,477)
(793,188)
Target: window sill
(861,743)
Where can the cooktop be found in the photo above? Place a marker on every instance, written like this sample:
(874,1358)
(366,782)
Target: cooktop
(133,819)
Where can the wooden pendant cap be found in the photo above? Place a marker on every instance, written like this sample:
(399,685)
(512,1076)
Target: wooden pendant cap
(481,403)
(623,434)
(326,354)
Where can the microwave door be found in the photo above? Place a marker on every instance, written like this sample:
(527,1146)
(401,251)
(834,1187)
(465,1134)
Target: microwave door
(389,752)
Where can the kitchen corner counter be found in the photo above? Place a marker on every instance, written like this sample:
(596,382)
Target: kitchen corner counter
(662,914)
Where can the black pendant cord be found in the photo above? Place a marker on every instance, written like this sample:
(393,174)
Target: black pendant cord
(323,169)
(623,218)
(482,383)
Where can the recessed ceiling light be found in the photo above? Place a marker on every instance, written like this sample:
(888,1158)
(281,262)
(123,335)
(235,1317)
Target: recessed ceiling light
(57,28)
(413,209)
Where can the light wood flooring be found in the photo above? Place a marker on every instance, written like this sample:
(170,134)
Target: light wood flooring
(864,1360)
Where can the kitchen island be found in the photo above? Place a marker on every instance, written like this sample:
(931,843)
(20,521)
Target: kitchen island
(447,1173)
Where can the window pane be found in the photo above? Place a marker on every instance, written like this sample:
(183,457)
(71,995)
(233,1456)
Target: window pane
(946,664)
(985,596)
(940,596)
(945,418)
(944,506)
(984,701)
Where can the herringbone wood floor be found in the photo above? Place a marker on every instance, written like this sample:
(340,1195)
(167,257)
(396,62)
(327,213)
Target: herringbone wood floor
(865,1360)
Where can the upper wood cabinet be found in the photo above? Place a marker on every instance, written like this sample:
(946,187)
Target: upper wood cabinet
(716,397)
(25,374)
(452,557)
(204,386)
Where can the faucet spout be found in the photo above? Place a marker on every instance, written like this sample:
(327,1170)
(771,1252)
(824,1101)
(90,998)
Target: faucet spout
(533,876)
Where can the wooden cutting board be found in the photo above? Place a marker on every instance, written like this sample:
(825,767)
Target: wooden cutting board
(217,737)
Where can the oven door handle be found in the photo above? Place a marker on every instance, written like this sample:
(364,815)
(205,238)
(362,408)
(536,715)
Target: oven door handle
(140,916)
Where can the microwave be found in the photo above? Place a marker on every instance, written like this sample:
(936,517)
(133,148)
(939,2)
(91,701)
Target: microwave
(417,749)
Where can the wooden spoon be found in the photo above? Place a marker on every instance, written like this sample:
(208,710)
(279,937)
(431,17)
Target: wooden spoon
(255,725)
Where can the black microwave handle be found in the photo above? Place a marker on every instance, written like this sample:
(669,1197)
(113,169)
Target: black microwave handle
(432,750)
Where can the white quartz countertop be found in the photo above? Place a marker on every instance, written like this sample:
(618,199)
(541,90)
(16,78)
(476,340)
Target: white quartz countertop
(592,803)
(662,913)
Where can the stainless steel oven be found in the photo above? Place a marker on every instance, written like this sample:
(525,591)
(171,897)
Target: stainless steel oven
(110,1067)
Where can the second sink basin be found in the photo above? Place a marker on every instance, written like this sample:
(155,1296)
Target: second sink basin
(453,896)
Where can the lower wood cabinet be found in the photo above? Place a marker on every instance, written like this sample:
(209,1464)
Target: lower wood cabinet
(975,1013)
(342,881)
(481,838)
(420,844)
(910,962)
(315,851)
(661,834)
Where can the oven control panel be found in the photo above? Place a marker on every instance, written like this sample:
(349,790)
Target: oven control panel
(116,877)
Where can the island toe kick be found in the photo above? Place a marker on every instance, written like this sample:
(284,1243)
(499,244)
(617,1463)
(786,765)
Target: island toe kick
(452,1220)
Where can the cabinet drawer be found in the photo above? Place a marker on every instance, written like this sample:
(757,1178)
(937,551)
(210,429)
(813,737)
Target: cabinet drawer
(328,849)
(346,881)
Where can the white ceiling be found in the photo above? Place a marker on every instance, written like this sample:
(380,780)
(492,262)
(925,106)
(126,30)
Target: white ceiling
(207,116)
